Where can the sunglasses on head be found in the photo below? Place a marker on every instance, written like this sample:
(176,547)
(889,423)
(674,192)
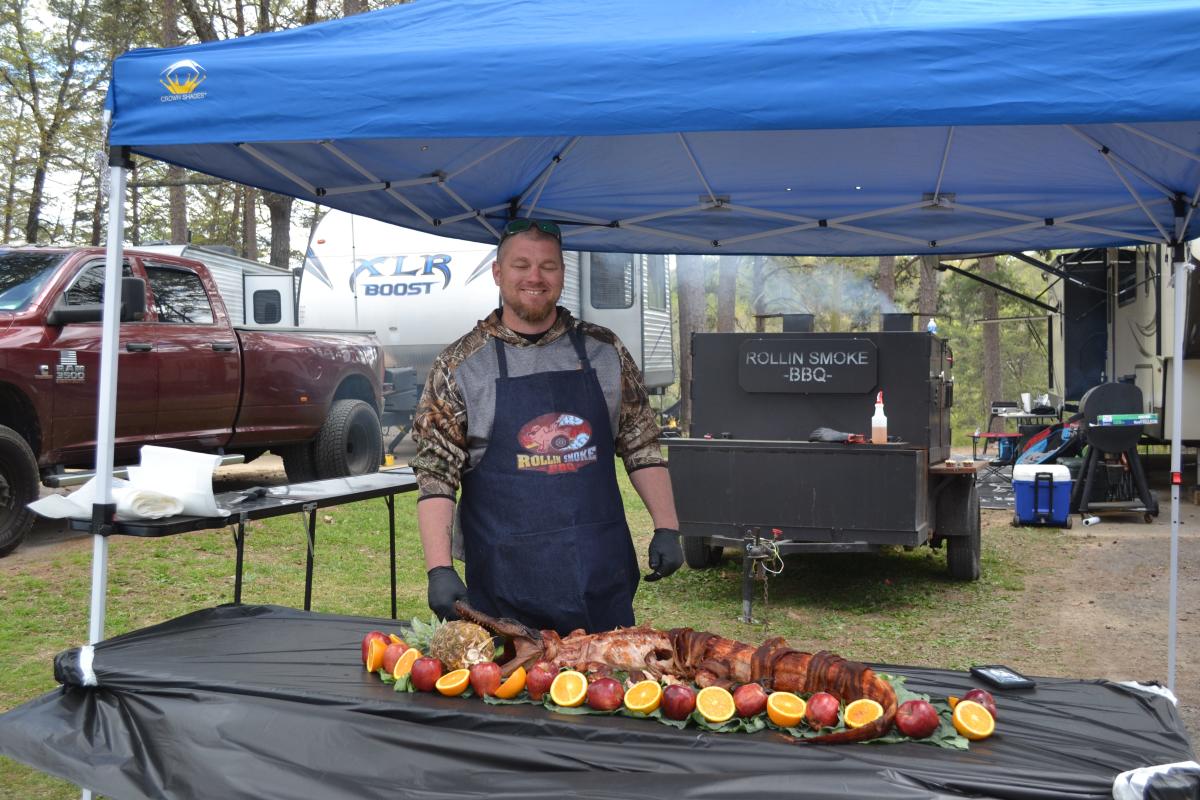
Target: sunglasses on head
(521,225)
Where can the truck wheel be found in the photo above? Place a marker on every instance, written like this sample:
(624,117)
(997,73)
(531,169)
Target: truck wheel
(698,553)
(963,550)
(350,442)
(298,462)
(19,481)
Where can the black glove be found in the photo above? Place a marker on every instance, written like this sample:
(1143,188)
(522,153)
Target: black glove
(445,587)
(666,554)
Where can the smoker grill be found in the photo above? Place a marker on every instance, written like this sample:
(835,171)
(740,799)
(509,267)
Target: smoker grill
(1112,478)
(749,478)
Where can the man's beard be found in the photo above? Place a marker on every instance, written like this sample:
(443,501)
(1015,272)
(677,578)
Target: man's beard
(533,314)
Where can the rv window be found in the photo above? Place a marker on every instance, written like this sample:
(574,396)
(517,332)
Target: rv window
(179,296)
(656,282)
(268,307)
(88,287)
(612,280)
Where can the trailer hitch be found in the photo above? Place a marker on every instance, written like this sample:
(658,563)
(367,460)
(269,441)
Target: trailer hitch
(760,561)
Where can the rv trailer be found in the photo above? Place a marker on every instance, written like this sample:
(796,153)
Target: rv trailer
(419,292)
(255,294)
(1116,324)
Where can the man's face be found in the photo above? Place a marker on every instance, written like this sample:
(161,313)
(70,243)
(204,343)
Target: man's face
(529,273)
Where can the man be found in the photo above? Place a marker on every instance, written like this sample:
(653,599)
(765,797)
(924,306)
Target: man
(525,414)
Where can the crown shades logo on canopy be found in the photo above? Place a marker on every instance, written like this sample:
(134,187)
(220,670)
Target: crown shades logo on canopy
(181,80)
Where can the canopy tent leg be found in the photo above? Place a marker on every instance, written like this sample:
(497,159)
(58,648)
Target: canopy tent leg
(103,509)
(1180,277)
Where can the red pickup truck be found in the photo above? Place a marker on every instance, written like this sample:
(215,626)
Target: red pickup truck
(187,377)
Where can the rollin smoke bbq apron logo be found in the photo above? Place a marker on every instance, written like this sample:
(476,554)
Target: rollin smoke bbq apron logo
(555,443)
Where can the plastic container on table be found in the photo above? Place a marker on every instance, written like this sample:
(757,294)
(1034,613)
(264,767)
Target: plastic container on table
(1043,495)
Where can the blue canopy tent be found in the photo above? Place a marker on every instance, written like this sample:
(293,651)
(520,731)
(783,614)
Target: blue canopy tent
(769,127)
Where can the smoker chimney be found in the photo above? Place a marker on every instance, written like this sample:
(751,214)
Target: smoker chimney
(797,323)
(899,321)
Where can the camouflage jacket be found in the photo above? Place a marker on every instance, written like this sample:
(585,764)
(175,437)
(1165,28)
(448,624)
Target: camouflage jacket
(453,421)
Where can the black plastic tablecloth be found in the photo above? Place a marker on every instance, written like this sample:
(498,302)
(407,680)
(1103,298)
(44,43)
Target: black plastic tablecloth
(266,702)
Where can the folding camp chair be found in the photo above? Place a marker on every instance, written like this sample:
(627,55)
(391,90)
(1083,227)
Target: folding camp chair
(1006,456)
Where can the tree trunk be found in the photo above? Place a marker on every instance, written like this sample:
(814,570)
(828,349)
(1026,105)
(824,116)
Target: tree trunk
(280,207)
(692,309)
(75,210)
(33,220)
(887,277)
(758,285)
(249,224)
(927,293)
(133,229)
(727,267)
(177,202)
(97,213)
(352,7)
(992,377)
(177,194)
(201,22)
(10,187)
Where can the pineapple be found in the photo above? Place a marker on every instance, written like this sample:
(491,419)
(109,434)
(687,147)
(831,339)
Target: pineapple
(461,644)
(456,644)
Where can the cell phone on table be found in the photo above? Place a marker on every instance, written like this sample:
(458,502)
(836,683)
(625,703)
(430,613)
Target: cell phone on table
(1001,677)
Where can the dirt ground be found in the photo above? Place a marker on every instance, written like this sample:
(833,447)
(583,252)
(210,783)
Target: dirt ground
(1104,612)
(1101,613)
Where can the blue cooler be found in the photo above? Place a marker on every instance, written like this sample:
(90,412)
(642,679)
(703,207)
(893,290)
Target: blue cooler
(1043,494)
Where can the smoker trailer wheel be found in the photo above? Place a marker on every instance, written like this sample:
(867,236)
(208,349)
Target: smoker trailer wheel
(699,552)
(958,523)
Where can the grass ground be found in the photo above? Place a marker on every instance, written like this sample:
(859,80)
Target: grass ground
(896,607)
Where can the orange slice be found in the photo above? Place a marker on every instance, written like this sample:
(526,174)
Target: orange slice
(375,654)
(644,697)
(862,712)
(785,709)
(513,685)
(715,704)
(405,662)
(952,700)
(452,684)
(397,640)
(972,720)
(569,688)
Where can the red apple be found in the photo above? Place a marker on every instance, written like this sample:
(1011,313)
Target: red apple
(822,711)
(917,718)
(366,642)
(678,701)
(425,673)
(604,694)
(750,699)
(485,678)
(984,698)
(392,654)
(539,678)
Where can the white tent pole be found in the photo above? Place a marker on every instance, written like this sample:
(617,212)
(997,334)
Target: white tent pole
(106,407)
(106,410)
(1181,269)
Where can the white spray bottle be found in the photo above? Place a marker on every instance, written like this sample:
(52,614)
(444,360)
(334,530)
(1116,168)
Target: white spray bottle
(879,422)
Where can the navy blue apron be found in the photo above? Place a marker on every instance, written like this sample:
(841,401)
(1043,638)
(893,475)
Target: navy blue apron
(543,526)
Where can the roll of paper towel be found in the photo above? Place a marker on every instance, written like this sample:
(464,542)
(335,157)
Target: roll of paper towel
(181,474)
(146,504)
